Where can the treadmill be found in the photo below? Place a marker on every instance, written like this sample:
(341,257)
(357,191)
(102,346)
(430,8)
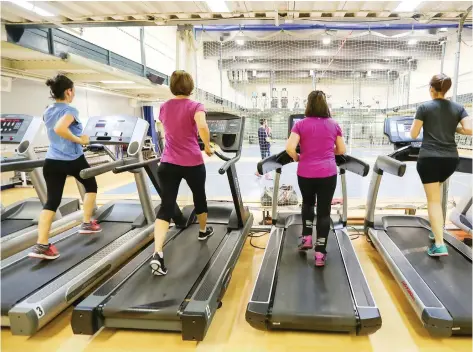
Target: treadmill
(19,220)
(199,272)
(35,291)
(439,289)
(290,293)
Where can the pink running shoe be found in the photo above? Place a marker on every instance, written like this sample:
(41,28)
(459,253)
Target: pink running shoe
(320,259)
(306,243)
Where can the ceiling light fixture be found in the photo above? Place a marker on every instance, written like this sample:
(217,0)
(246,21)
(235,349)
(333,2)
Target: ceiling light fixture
(217,6)
(407,6)
(240,41)
(443,30)
(412,41)
(368,73)
(33,8)
(326,40)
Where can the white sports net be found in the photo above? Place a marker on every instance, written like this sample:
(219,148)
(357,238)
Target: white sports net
(366,76)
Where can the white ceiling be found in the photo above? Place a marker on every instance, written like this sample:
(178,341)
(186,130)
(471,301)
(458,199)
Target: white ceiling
(75,13)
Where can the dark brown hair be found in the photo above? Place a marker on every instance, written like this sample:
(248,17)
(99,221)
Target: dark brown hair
(58,85)
(441,83)
(317,105)
(181,83)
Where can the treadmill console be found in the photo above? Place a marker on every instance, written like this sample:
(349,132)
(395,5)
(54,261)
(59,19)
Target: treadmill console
(226,130)
(293,119)
(398,130)
(117,130)
(13,127)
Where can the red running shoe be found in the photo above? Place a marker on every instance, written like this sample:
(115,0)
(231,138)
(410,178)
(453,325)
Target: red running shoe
(91,227)
(42,251)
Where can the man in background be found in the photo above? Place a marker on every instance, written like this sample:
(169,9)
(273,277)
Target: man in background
(264,141)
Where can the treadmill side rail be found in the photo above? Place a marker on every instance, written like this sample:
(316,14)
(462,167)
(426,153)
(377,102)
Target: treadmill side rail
(369,318)
(258,306)
(436,319)
(205,300)
(31,314)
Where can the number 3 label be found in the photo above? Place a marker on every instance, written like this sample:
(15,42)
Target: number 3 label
(39,311)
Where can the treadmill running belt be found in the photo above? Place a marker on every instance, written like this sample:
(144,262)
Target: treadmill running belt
(10,226)
(309,296)
(147,296)
(449,278)
(28,274)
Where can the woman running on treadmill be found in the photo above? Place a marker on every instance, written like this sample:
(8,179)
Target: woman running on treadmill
(438,156)
(320,139)
(63,158)
(182,118)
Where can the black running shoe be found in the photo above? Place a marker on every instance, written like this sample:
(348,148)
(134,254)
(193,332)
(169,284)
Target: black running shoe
(157,265)
(204,235)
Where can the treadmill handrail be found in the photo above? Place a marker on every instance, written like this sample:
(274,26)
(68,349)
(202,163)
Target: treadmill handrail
(344,162)
(229,161)
(23,165)
(390,165)
(134,166)
(101,169)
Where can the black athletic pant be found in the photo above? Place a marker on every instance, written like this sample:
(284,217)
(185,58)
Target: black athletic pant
(55,173)
(170,176)
(322,190)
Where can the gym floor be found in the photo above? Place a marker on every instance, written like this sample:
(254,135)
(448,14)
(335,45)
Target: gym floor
(401,330)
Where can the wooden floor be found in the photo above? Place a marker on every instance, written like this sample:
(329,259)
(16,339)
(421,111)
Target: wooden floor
(401,330)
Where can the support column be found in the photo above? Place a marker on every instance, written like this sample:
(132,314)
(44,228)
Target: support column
(314,81)
(454,98)
(442,60)
(220,66)
(408,84)
(143,50)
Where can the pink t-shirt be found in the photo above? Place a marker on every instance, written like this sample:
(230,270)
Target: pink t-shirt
(318,136)
(180,129)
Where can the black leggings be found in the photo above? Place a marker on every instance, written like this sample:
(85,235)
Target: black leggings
(55,173)
(322,190)
(170,176)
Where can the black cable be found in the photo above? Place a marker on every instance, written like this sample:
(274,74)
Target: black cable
(354,236)
(252,235)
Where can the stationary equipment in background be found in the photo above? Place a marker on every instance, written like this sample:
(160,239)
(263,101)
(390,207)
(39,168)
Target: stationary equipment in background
(19,220)
(439,289)
(199,272)
(34,292)
(290,293)
(462,216)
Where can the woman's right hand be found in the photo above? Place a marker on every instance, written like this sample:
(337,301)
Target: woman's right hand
(209,150)
(84,139)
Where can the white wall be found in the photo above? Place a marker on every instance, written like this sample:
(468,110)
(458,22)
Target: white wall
(160,44)
(32,97)
(208,79)
(419,90)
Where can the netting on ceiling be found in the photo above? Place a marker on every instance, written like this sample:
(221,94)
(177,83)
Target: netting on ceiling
(366,75)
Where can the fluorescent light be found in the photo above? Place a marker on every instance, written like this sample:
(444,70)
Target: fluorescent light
(368,73)
(240,41)
(326,40)
(117,82)
(254,73)
(311,73)
(217,6)
(412,41)
(33,8)
(443,29)
(407,6)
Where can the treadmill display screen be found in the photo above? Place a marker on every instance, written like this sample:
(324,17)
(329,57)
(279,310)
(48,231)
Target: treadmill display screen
(217,126)
(10,125)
